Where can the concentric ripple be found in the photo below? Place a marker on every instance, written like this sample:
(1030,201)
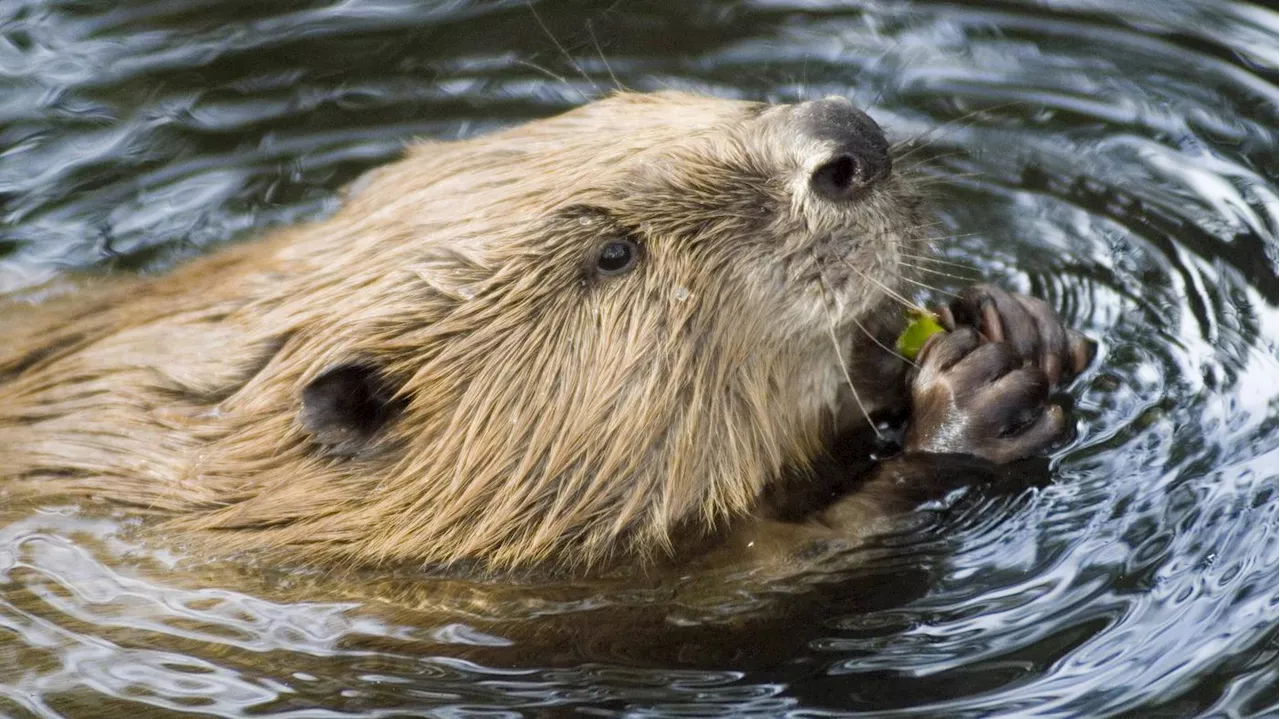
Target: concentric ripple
(1119,162)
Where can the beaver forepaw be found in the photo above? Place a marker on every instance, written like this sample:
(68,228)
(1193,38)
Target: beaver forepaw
(979,397)
(1026,323)
(982,388)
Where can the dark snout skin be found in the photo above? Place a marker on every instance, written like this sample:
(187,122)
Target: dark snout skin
(859,155)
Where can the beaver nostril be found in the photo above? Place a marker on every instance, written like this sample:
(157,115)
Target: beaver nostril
(835,180)
(858,151)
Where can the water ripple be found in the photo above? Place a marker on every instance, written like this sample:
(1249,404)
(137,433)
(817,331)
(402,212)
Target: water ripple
(1118,161)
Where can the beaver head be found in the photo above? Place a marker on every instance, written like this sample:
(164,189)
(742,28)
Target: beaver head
(557,342)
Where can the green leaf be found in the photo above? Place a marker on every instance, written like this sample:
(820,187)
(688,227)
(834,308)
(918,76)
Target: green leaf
(923,325)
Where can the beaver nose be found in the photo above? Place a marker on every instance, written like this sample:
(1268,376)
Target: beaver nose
(857,153)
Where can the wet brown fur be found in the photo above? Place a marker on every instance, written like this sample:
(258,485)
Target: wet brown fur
(549,415)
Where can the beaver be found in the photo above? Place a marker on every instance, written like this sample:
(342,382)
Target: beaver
(559,344)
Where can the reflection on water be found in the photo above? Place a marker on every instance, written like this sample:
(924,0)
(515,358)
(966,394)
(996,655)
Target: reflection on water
(1121,163)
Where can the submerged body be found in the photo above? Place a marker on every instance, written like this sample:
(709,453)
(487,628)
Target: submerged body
(578,339)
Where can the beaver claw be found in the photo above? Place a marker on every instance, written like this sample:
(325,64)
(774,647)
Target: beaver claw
(981,389)
(1025,322)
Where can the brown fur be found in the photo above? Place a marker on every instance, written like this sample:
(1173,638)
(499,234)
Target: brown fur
(548,414)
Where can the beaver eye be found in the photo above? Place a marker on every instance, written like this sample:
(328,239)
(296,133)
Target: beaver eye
(617,256)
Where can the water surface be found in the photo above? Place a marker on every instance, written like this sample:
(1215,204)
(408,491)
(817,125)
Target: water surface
(1117,159)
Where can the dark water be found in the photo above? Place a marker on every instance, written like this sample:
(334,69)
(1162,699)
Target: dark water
(1117,159)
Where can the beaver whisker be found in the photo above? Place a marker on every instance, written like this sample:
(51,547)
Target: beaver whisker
(927,225)
(940,273)
(554,76)
(592,33)
(880,344)
(928,286)
(929,240)
(560,47)
(950,125)
(933,180)
(939,261)
(887,290)
(835,345)
(916,165)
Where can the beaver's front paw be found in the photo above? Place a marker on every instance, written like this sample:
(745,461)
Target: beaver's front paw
(973,396)
(981,388)
(1026,323)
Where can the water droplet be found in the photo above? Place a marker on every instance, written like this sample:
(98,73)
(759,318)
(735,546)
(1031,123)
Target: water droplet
(467,292)
(681,294)
(585,221)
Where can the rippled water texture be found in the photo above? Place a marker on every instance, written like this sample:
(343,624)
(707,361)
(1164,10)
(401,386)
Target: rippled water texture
(1120,163)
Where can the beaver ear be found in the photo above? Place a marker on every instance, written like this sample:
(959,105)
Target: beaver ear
(346,406)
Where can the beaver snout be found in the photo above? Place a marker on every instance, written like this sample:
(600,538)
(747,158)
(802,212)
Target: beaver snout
(858,153)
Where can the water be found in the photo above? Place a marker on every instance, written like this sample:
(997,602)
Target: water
(1120,162)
